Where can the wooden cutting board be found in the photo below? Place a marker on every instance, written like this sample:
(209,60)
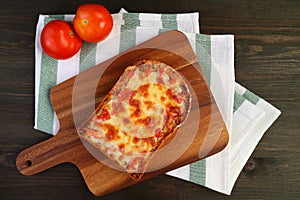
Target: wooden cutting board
(203,134)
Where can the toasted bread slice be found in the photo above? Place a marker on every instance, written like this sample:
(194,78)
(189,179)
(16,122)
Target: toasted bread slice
(147,104)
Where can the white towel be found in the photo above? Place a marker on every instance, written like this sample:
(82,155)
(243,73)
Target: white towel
(247,116)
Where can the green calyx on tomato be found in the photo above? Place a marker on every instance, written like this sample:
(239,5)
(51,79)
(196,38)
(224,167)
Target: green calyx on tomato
(85,22)
(92,22)
(71,33)
(59,40)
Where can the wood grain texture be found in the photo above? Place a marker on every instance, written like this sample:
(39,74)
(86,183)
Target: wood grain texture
(266,62)
(201,135)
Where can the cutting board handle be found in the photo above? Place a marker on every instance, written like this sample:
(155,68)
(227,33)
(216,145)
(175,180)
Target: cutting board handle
(47,154)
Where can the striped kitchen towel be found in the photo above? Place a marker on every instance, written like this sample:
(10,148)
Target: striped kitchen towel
(247,116)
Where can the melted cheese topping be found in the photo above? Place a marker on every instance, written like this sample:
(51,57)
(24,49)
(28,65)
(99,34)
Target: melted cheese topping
(145,111)
(132,124)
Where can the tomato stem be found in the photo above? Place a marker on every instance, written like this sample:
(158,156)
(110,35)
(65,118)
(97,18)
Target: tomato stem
(71,33)
(85,21)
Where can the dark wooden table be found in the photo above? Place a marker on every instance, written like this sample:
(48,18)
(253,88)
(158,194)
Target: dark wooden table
(267,61)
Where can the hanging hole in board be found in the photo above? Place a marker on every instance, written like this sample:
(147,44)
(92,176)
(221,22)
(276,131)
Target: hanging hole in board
(28,163)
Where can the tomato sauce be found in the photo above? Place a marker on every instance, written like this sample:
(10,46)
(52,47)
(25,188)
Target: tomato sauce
(111,132)
(122,147)
(158,133)
(172,96)
(146,121)
(135,140)
(162,98)
(144,90)
(136,104)
(150,141)
(104,115)
(173,113)
(149,104)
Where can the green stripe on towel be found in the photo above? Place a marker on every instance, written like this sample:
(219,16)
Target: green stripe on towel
(131,20)
(87,56)
(238,101)
(203,52)
(169,21)
(128,33)
(198,172)
(253,98)
(127,39)
(48,79)
(53,17)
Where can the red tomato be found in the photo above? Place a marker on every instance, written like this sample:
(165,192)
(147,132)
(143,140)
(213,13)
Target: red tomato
(59,40)
(92,22)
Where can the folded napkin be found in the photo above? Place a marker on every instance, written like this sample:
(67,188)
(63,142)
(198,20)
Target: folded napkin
(247,116)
